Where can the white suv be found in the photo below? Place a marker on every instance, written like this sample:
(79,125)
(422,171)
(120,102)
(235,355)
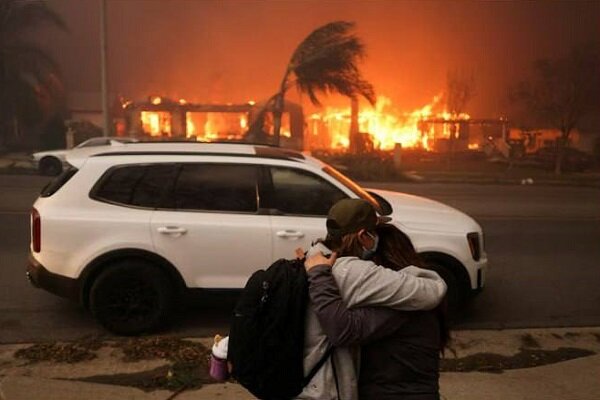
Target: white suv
(51,162)
(128,230)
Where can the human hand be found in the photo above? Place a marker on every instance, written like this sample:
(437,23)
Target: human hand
(299,253)
(319,259)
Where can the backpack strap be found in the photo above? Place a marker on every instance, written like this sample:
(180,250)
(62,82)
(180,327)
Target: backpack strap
(317,366)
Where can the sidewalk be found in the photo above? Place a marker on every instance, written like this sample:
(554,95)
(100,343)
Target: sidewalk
(17,163)
(503,354)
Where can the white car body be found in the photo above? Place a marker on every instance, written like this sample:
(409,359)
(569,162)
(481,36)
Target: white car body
(219,250)
(91,146)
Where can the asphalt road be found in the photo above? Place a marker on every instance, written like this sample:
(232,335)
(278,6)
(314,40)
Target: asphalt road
(543,245)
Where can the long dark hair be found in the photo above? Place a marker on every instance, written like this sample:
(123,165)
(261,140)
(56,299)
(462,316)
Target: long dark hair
(347,245)
(396,251)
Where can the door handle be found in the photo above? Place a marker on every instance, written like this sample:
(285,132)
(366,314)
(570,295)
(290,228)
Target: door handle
(290,234)
(171,230)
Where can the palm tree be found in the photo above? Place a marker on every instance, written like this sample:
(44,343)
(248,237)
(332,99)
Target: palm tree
(325,62)
(30,82)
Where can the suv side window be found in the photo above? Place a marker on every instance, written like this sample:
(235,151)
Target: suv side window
(215,187)
(135,185)
(299,192)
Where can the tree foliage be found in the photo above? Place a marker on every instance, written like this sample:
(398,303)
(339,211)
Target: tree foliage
(30,83)
(561,92)
(326,61)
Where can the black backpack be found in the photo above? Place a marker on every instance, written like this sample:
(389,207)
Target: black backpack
(266,339)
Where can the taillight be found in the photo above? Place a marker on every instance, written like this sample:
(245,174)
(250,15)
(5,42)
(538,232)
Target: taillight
(36,230)
(474,245)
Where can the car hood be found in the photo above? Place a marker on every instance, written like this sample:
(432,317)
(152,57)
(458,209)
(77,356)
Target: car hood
(420,213)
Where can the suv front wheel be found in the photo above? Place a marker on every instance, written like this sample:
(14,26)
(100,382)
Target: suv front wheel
(454,298)
(131,296)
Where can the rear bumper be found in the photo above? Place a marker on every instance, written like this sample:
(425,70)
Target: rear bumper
(59,285)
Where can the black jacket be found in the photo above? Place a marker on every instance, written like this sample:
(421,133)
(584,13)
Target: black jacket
(400,349)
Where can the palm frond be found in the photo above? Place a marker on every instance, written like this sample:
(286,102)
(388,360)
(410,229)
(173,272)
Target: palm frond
(326,62)
(19,16)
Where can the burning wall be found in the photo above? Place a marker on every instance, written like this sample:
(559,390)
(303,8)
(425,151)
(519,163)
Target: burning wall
(385,126)
(430,127)
(161,118)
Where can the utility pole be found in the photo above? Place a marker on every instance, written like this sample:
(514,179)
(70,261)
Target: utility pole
(356,144)
(103,70)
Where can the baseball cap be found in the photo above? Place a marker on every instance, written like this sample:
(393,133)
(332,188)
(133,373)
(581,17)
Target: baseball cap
(351,215)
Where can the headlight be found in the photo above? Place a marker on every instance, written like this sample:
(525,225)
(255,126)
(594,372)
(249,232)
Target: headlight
(474,245)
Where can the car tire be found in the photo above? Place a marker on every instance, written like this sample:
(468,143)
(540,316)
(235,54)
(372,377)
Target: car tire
(454,296)
(130,297)
(50,166)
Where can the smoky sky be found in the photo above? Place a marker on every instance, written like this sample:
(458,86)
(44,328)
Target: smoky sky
(237,50)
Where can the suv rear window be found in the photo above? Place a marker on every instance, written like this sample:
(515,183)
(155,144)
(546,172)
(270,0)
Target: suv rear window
(58,182)
(134,185)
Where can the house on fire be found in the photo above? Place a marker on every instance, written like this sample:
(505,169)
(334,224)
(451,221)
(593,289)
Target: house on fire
(161,118)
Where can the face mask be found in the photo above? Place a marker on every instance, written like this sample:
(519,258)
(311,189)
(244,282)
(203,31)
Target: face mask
(368,253)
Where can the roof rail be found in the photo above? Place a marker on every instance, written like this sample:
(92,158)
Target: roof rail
(207,142)
(283,155)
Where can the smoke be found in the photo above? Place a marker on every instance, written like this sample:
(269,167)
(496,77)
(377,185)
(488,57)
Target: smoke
(235,51)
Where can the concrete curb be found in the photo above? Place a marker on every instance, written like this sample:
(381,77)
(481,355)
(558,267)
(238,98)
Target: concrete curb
(576,379)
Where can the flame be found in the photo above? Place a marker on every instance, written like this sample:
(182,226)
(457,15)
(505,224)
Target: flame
(212,126)
(385,125)
(190,126)
(156,123)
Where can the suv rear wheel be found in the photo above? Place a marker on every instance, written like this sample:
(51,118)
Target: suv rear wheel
(131,296)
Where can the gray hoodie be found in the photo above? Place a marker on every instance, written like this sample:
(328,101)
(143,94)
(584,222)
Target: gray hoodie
(362,283)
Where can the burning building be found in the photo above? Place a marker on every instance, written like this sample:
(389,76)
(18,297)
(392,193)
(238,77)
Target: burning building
(381,127)
(429,128)
(161,118)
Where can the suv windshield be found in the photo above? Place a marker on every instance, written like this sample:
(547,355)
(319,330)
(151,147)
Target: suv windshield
(356,189)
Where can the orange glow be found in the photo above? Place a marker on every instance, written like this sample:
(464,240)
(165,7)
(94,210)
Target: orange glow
(385,125)
(190,127)
(156,123)
(156,100)
(211,126)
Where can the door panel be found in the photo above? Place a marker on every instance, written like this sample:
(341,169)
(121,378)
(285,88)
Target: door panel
(209,225)
(216,250)
(299,201)
(291,232)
